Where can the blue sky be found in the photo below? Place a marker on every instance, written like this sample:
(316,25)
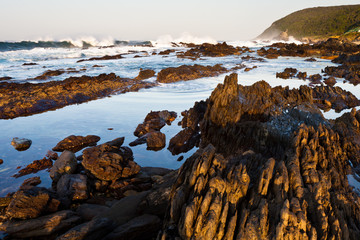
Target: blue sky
(145,19)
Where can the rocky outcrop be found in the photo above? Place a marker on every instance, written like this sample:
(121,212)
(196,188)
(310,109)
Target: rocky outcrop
(110,161)
(212,50)
(106,57)
(74,143)
(349,68)
(34,167)
(269,166)
(189,137)
(50,73)
(19,99)
(21,144)
(188,72)
(330,48)
(145,74)
(65,164)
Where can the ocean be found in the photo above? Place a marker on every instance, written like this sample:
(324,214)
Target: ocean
(122,112)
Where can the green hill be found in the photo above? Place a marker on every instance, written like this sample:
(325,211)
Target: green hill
(316,22)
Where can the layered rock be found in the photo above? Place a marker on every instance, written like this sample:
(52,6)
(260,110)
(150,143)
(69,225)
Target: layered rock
(269,166)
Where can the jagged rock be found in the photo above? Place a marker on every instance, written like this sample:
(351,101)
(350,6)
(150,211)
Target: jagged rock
(143,227)
(34,167)
(212,50)
(110,161)
(154,121)
(50,73)
(74,143)
(315,79)
(151,171)
(73,187)
(42,226)
(65,164)
(106,57)
(31,202)
(266,171)
(287,73)
(21,144)
(93,230)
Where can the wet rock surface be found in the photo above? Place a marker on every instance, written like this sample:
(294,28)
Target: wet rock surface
(21,144)
(349,68)
(211,50)
(266,171)
(106,57)
(145,74)
(25,99)
(74,143)
(110,161)
(34,167)
(65,164)
(188,72)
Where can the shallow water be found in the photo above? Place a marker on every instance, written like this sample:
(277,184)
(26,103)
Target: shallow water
(120,112)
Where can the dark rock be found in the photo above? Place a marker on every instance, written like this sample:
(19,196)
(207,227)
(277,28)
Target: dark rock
(310,60)
(76,143)
(287,73)
(52,155)
(20,99)
(151,171)
(106,57)
(331,81)
(1,161)
(125,209)
(93,230)
(184,141)
(89,211)
(97,66)
(5,78)
(302,75)
(154,121)
(211,50)
(21,144)
(143,227)
(109,161)
(73,187)
(166,52)
(30,64)
(42,226)
(145,74)
(30,182)
(50,73)
(187,72)
(65,164)
(34,167)
(315,79)
(31,202)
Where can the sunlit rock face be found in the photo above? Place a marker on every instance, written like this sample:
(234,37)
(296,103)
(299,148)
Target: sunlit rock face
(269,166)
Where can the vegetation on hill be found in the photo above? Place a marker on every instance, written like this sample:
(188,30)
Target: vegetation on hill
(316,22)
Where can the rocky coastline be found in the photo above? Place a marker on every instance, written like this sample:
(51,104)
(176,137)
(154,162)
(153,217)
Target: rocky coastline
(268,164)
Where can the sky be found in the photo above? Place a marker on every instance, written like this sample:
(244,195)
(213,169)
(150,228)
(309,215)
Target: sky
(144,19)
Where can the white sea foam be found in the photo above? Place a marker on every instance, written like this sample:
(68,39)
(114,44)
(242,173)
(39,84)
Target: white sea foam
(167,40)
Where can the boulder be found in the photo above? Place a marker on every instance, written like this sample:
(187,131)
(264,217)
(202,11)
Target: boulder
(154,121)
(330,81)
(155,140)
(65,164)
(76,143)
(145,74)
(31,202)
(109,161)
(73,187)
(21,144)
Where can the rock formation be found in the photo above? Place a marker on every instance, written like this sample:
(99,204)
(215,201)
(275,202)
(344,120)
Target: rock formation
(269,166)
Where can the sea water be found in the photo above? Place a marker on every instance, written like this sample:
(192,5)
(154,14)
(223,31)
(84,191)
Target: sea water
(122,112)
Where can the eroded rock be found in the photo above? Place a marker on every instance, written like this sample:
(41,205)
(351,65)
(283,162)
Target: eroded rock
(21,144)
(65,164)
(74,143)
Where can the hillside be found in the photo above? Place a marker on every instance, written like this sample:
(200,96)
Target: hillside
(316,22)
